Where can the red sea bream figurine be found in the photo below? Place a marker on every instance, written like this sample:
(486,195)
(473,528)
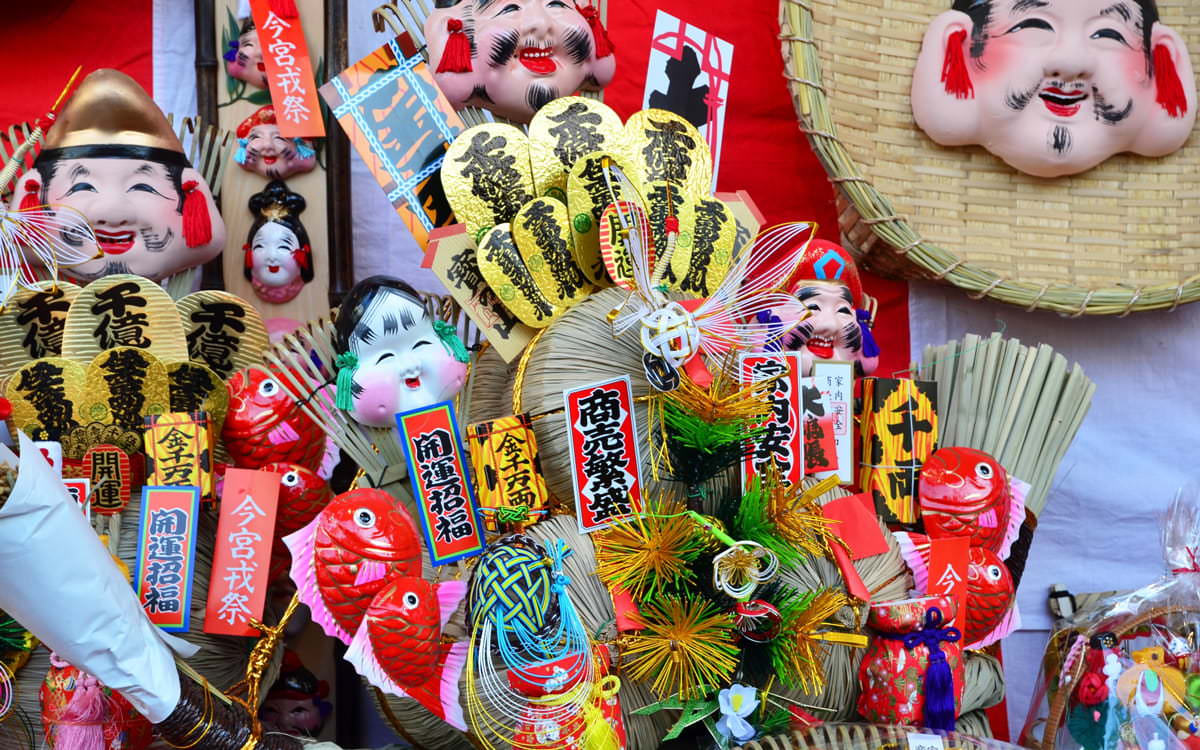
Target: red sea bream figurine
(966,492)
(357,566)
(266,425)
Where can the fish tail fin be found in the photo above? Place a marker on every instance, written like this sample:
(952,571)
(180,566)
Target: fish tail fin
(1007,625)
(441,693)
(449,594)
(302,545)
(282,433)
(915,550)
(1018,491)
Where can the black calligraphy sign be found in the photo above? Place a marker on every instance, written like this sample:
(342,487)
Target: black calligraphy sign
(213,340)
(43,385)
(121,323)
(125,373)
(551,238)
(499,248)
(710,221)
(667,154)
(605,462)
(494,176)
(43,315)
(576,133)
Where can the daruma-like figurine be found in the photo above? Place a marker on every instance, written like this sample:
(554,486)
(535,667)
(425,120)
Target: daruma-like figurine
(394,356)
(279,259)
(1055,87)
(244,58)
(113,157)
(838,327)
(513,56)
(262,149)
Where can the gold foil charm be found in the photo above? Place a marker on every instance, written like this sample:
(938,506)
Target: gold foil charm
(670,149)
(543,236)
(486,176)
(562,133)
(504,269)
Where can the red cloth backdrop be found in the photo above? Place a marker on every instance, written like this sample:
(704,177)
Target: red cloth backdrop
(765,153)
(44,40)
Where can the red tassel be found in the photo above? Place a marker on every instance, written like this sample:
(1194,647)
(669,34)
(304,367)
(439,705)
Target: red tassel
(249,256)
(600,39)
(197,226)
(954,68)
(1170,88)
(30,201)
(284,8)
(456,57)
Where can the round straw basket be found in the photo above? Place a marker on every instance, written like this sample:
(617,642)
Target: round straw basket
(1117,239)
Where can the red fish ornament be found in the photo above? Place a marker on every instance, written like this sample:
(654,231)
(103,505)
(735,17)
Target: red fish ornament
(302,495)
(991,596)
(398,647)
(348,554)
(966,492)
(265,424)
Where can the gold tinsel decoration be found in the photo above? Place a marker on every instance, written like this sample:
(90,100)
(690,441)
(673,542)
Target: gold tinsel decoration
(797,515)
(685,646)
(796,654)
(651,553)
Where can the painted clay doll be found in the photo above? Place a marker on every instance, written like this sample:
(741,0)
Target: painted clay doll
(394,355)
(1055,87)
(244,58)
(296,703)
(513,57)
(264,151)
(279,259)
(838,327)
(113,157)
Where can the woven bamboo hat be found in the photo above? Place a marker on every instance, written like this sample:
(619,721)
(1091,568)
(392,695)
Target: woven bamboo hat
(1119,238)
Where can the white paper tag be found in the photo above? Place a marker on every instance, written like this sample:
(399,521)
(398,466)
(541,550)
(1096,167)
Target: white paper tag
(918,741)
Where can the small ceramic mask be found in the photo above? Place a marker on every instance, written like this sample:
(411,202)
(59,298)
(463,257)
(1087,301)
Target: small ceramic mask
(838,327)
(279,259)
(262,150)
(395,356)
(513,56)
(244,58)
(1055,87)
(296,703)
(113,157)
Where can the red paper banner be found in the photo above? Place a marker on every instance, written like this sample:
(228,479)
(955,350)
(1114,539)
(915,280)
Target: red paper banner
(605,459)
(79,493)
(167,554)
(781,442)
(449,515)
(108,467)
(238,587)
(289,73)
(948,561)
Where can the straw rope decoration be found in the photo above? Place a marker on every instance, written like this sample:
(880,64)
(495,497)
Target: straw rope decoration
(865,737)
(1111,241)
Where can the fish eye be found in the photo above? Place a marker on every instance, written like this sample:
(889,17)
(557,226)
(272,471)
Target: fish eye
(290,479)
(994,573)
(364,517)
(983,471)
(410,600)
(268,388)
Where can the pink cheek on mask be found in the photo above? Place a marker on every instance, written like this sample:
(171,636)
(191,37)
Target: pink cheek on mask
(376,404)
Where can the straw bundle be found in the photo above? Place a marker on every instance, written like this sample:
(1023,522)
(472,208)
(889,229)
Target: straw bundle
(1020,404)
(866,737)
(1116,239)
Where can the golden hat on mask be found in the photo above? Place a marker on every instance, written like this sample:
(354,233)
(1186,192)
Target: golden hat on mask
(110,108)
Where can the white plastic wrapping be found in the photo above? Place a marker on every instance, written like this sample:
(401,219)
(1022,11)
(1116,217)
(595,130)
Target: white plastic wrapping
(58,580)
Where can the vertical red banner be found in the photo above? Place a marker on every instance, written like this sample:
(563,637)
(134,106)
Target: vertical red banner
(289,72)
(237,589)
(948,561)
(782,439)
(605,456)
(167,554)
(449,515)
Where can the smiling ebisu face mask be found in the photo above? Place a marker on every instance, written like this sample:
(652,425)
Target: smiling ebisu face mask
(394,356)
(1055,87)
(112,157)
